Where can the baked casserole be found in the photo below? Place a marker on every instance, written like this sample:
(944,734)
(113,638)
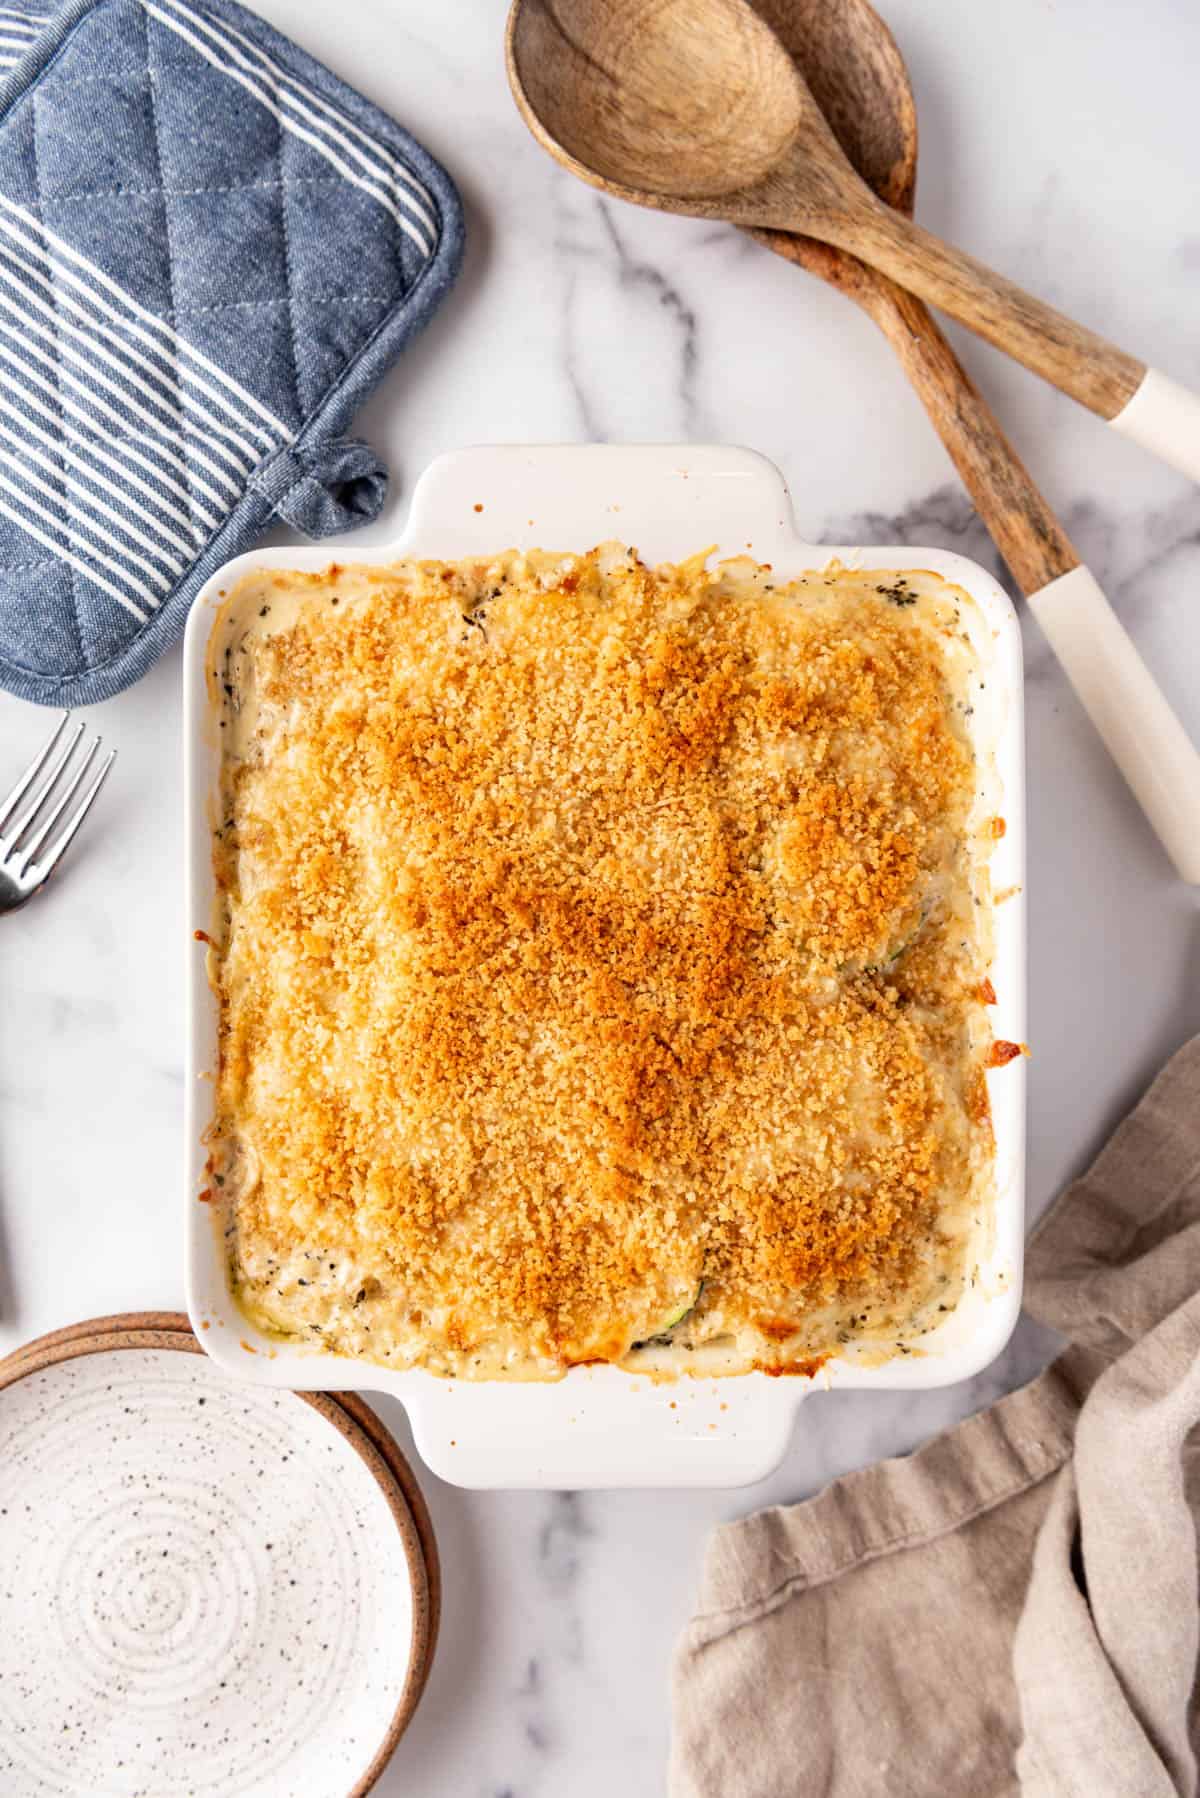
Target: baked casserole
(602,959)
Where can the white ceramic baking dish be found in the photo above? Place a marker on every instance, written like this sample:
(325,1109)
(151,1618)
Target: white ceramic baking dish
(601,1426)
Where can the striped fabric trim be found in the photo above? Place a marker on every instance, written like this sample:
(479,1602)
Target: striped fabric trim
(53,543)
(357,157)
(53,309)
(92,476)
(22,380)
(122,446)
(422,203)
(221,488)
(161,362)
(171,348)
(18,32)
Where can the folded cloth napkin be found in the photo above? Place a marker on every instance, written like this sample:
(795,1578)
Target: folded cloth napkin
(1014,1607)
(211,250)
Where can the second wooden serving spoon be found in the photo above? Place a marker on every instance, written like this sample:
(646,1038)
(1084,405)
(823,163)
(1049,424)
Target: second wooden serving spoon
(857,76)
(695,106)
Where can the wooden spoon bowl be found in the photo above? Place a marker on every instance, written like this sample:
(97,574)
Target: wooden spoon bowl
(856,74)
(854,71)
(635,100)
(696,106)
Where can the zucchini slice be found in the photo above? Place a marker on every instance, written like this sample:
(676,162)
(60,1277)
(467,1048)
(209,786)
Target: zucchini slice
(896,950)
(683,1308)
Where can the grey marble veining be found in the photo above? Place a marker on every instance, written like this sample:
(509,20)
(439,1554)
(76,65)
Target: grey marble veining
(1062,148)
(603,277)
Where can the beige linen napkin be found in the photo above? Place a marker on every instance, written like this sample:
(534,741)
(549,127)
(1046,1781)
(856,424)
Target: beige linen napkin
(1014,1607)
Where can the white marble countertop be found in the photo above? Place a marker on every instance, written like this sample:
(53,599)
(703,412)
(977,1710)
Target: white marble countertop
(1060,147)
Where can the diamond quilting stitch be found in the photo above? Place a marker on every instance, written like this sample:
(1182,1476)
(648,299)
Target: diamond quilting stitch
(143,393)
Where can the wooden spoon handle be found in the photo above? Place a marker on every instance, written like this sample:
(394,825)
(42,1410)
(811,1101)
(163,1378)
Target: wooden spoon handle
(1129,710)
(1144,405)
(1077,360)
(1025,530)
(1120,695)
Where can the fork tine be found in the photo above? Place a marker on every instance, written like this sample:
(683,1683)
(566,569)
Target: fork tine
(30,850)
(31,773)
(30,814)
(76,819)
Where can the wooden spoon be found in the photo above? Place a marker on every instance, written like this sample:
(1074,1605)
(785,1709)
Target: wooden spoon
(857,76)
(695,106)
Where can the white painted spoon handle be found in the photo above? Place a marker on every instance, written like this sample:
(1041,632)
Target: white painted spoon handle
(1123,701)
(1165,419)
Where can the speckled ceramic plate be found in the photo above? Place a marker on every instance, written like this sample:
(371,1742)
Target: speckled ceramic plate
(208,1588)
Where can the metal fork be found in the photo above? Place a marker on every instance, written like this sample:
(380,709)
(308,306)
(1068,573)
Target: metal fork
(38,818)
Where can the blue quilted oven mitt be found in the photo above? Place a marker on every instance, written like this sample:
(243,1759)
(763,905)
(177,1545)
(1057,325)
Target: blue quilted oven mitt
(210,252)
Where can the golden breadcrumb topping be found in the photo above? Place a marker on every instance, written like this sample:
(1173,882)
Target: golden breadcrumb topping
(600,961)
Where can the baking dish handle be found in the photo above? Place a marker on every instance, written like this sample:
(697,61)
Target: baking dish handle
(617,1431)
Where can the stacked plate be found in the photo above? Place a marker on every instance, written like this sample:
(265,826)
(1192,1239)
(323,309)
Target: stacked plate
(205,1587)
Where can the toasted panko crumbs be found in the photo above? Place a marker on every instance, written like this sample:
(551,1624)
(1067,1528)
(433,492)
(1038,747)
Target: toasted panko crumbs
(600,962)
